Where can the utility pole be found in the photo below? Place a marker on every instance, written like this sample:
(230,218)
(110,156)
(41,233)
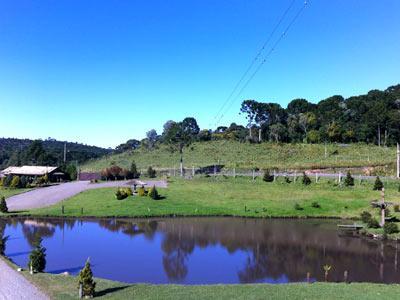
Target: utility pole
(398,161)
(65,152)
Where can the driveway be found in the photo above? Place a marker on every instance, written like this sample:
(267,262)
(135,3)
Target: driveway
(42,197)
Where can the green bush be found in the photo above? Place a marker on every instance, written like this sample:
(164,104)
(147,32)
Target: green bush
(37,258)
(141,191)
(315,204)
(396,208)
(7,180)
(86,280)
(23,182)
(134,173)
(349,180)
(123,193)
(3,241)
(306,180)
(298,207)
(151,173)
(365,217)
(267,176)
(153,193)
(14,182)
(3,205)
(378,185)
(373,223)
(390,228)
(287,179)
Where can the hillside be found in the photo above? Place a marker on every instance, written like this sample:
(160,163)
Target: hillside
(13,151)
(245,155)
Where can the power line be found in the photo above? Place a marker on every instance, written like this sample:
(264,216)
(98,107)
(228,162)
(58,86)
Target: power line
(260,51)
(288,27)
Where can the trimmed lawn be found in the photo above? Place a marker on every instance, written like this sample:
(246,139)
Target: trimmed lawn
(6,192)
(228,197)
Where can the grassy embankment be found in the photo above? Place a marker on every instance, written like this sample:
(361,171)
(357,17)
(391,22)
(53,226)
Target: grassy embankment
(8,192)
(61,287)
(229,197)
(233,154)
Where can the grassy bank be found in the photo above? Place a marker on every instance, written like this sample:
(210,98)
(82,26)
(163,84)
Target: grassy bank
(229,197)
(8,192)
(65,287)
(244,155)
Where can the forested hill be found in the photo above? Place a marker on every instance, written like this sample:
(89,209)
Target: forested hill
(17,152)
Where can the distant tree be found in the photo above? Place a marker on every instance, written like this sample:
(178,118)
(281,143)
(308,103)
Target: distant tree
(86,280)
(133,171)
(151,173)
(71,171)
(131,144)
(349,180)
(278,132)
(151,138)
(3,205)
(37,258)
(205,135)
(3,242)
(378,185)
(115,172)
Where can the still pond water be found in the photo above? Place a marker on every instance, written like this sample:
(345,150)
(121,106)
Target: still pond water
(202,250)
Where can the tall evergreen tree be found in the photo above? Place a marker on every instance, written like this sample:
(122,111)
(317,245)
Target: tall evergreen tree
(37,258)
(3,205)
(349,180)
(378,185)
(86,280)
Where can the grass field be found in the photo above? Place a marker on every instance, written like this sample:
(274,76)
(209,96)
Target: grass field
(65,287)
(229,197)
(244,155)
(11,192)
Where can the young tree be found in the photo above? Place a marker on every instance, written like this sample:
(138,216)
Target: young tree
(153,193)
(3,205)
(134,172)
(378,185)
(86,280)
(306,180)
(152,138)
(37,258)
(267,176)
(349,180)
(151,172)
(14,182)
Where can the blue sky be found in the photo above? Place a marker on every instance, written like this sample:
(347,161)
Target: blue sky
(102,72)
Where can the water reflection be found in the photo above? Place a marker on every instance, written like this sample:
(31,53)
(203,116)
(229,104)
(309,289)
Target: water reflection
(204,250)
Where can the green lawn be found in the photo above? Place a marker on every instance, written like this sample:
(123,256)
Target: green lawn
(244,155)
(228,197)
(6,192)
(65,287)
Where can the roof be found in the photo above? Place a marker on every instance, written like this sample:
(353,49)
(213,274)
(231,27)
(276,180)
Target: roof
(29,170)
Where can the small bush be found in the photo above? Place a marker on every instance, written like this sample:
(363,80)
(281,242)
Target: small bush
(14,182)
(3,241)
(3,205)
(373,223)
(151,173)
(315,204)
(365,217)
(298,207)
(123,193)
(390,228)
(86,280)
(287,179)
(37,258)
(306,180)
(141,191)
(153,193)
(267,176)
(378,185)
(396,208)
(387,212)
(349,180)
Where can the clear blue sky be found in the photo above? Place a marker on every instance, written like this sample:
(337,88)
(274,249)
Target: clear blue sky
(101,72)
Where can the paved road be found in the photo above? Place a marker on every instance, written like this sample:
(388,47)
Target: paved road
(47,196)
(14,286)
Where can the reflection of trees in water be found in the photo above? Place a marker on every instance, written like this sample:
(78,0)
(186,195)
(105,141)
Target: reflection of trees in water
(131,228)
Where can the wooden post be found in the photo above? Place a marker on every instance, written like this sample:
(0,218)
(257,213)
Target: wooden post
(215,170)
(316,177)
(398,161)
(80,291)
(274,175)
(30,269)
(295,177)
(254,175)
(308,277)
(174,171)
(383,207)
(234,173)
(62,209)
(340,177)
(193,171)
(345,276)
(259,135)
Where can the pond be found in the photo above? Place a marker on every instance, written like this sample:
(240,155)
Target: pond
(202,250)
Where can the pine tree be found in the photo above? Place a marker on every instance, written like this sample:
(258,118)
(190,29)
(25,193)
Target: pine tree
(306,180)
(153,193)
(134,172)
(349,180)
(3,205)
(151,172)
(268,177)
(86,280)
(37,258)
(378,185)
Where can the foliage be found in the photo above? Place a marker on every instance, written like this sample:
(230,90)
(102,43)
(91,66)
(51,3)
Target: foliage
(3,242)
(349,180)
(378,185)
(37,258)
(3,205)
(297,206)
(85,279)
(134,173)
(14,182)
(153,193)
(373,223)
(123,193)
(267,176)
(396,208)
(287,179)
(141,191)
(365,217)
(390,228)
(306,180)
(151,173)
(315,204)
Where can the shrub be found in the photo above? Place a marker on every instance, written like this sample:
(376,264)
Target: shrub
(373,223)
(387,212)
(153,193)
(315,204)
(86,280)
(390,228)
(14,182)
(123,193)
(378,185)
(7,180)
(3,241)
(23,182)
(267,176)
(3,205)
(396,208)
(151,173)
(287,179)
(141,191)
(306,180)
(134,173)
(37,258)
(298,207)
(349,180)
(365,217)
